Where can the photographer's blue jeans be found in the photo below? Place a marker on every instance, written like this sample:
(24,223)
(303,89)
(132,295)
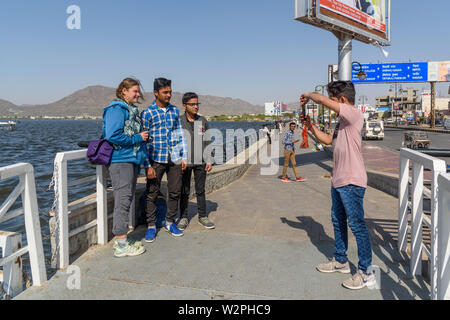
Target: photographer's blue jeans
(348,205)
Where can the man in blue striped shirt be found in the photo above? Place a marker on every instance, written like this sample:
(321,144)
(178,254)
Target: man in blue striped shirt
(166,153)
(289,153)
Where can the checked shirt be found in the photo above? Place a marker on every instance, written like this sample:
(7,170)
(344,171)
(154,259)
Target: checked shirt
(166,135)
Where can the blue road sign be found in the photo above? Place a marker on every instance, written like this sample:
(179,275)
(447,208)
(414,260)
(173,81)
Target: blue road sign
(393,72)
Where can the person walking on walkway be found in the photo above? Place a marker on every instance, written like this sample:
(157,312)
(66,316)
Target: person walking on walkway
(267,132)
(349,182)
(289,153)
(166,153)
(122,128)
(196,128)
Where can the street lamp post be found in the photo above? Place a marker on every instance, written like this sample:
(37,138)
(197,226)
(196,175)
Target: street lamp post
(316,89)
(314,113)
(363,98)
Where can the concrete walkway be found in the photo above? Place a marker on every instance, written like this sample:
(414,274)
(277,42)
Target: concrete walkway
(269,237)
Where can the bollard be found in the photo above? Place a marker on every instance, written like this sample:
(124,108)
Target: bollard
(12,282)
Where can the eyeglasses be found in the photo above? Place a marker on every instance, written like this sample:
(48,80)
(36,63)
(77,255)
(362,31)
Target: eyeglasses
(193,104)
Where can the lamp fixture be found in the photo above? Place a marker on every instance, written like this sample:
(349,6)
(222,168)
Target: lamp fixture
(361,74)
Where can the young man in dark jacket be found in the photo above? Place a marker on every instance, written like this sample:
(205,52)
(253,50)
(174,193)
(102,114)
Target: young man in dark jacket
(196,128)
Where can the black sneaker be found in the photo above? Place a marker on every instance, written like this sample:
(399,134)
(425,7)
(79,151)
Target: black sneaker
(206,223)
(182,225)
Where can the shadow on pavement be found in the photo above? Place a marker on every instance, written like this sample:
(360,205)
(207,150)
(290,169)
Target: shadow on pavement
(192,208)
(383,234)
(315,232)
(396,283)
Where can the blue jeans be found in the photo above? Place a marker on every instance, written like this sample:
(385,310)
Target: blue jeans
(348,204)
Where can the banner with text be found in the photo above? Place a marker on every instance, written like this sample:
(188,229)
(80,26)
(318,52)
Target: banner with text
(404,72)
(370,13)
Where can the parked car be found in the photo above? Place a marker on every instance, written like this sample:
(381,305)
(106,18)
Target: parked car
(373,130)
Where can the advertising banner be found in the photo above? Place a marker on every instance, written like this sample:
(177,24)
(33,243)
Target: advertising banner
(370,13)
(368,21)
(439,71)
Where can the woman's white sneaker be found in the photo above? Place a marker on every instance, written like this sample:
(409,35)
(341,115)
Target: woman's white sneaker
(130,250)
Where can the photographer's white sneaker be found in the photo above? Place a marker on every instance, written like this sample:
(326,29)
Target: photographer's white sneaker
(360,280)
(334,266)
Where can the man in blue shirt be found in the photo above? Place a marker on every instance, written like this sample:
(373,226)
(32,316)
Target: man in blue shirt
(289,153)
(166,153)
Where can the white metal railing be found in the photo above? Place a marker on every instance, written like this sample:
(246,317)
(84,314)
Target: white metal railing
(420,162)
(62,215)
(11,243)
(443,262)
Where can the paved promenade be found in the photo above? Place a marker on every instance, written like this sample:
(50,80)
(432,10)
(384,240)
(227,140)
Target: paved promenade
(380,159)
(269,237)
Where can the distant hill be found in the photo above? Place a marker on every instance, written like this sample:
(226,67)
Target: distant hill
(92,100)
(7,109)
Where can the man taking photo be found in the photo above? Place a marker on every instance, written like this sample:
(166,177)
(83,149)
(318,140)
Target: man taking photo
(349,181)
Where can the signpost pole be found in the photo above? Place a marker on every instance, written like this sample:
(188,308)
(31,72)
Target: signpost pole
(433,104)
(345,57)
(393,110)
(396,107)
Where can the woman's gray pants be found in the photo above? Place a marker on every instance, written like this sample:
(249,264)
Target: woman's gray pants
(123,176)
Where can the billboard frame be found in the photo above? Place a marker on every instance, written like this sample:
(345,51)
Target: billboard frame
(310,12)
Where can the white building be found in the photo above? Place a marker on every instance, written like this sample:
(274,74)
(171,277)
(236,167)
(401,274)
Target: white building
(442,104)
(366,108)
(272,108)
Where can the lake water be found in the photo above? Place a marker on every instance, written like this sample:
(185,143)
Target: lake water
(37,142)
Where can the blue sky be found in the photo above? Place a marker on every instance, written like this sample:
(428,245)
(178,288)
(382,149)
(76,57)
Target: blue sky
(248,49)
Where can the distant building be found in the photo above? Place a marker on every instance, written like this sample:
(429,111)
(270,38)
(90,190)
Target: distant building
(400,103)
(312,110)
(273,108)
(366,108)
(442,104)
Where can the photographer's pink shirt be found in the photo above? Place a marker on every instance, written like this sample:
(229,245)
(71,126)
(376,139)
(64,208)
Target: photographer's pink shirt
(348,164)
